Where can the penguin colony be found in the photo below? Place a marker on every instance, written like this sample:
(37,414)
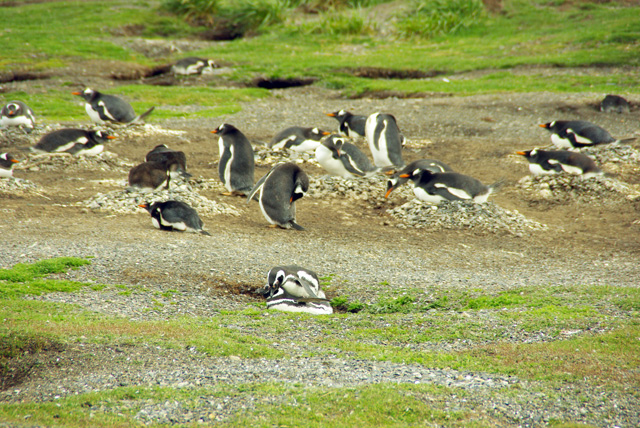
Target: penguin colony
(289,287)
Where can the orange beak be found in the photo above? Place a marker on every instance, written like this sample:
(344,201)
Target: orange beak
(14,161)
(331,114)
(326,133)
(386,195)
(215,131)
(76,93)
(521,153)
(111,137)
(543,125)
(143,205)
(405,176)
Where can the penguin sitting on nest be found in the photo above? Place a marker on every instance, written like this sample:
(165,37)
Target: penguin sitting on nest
(174,215)
(298,139)
(351,125)
(193,65)
(109,108)
(543,162)
(295,289)
(568,134)
(17,113)
(73,141)
(7,163)
(341,158)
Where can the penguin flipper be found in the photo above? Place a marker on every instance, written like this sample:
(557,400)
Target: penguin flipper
(204,232)
(257,187)
(306,285)
(296,226)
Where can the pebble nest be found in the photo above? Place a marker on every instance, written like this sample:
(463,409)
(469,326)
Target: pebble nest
(562,188)
(126,201)
(12,186)
(105,161)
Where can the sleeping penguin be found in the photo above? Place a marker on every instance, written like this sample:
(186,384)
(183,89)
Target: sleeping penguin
(174,215)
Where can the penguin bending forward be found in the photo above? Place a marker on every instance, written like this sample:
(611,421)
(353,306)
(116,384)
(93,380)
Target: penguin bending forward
(109,108)
(277,193)
(295,289)
(236,166)
(346,160)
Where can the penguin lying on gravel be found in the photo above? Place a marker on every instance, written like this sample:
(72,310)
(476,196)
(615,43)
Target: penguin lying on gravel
(298,139)
(6,165)
(237,163)
(278,192)
(193,65)
(542,162)
(351,125)
(17,113)
(445,186)
(109,108)
(155,175)
(73,141)
(567,134)
(295,289)
(346,160)
(398,178)
(175,215)
(614,104)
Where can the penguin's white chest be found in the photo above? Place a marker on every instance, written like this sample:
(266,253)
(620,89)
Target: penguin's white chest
(333,166)
(559,142)
(536,169)
(94,115)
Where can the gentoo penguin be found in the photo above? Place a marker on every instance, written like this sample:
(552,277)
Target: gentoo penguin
(193,65)
(351,125)
(385,140)
(17,113)
(343,159)
(109,108)
(174,215)
(398,178)
(295,289)
(542,162)
(6,165)
(278,192)
(566,134)
(162,153)
(298,139)
(446,186)
(236,160)
(154,175)
(614,104)
(73,141)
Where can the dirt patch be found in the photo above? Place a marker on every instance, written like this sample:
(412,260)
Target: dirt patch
(23,355)
(389,73)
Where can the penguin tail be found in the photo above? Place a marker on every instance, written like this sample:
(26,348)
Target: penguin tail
(625,140)
(142,116)
(296,226)
(204,232)
(494,187)
(25,149)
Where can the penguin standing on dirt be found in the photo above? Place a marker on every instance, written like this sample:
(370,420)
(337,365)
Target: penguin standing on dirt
(446,186)
(351,125)
(73,141)
(543,162)
(17,113)
(162,153)
(295,289)
(343,159)
(193,65)
(278,192)
(400,177)
(174,215)
(6,165)
(385,140)
(109,108)
(237,162)
(567,134)
(298,139)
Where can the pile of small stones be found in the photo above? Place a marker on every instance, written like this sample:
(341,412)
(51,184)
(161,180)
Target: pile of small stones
(18,186)
(126,201)
(459,215)
(369,189)
(105,161)
(265,156)
(613,153)
(567,187)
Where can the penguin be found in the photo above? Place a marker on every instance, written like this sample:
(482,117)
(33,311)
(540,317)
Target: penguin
(7,163)
(295,289)
(153,175)
(343,159)
(614,104)
(73,141)
(236,160)
(398,178)
(283,301)
(296,281)
(277,193)
(447,186)
(17,113)
(298,139)
(542,162)
(567,134)
(162,153)
(351,125)
(175,215)
(193,65)
(109,108)
(385,140)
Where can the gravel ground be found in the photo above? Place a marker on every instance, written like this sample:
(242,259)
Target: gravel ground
(353,233)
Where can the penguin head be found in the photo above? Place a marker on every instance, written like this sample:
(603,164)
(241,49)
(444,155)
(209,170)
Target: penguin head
(209,66)
(101,136)
(549,126)
(301,185)
(13,109)
(339,114)
(8,157)
(146,206)
(225,128)
(315,133)
(391,185)
(275,279)
(529,154)
(88,94)
(334,143)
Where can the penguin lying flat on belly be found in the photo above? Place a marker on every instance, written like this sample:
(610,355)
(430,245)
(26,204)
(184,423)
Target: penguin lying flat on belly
(175,215)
